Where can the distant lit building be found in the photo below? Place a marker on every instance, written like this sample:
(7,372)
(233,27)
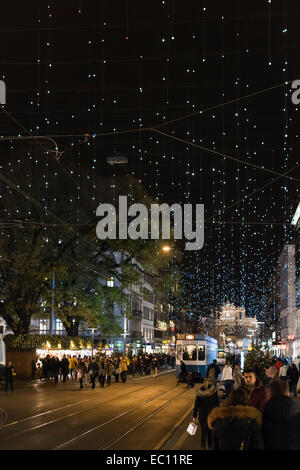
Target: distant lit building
(235,328)
(296,226)
(287,298)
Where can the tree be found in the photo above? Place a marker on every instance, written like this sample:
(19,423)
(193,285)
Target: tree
(45,239)
(259,361)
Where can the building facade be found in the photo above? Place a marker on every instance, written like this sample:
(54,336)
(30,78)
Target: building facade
(235,330)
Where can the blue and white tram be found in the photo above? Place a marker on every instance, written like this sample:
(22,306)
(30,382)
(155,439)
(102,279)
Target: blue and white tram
(197,352)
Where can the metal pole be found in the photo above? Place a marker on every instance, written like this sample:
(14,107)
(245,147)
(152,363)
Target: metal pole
(52,312)
(93,330)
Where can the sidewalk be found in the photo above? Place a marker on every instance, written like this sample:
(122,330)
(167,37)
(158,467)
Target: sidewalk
(25,383)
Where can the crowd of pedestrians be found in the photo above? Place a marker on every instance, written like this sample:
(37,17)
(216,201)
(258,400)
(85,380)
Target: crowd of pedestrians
(256,414)
(101,368)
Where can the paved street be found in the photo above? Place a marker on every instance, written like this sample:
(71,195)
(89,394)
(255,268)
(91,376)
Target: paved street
(144,413)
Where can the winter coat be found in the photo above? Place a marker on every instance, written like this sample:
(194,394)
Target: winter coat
(293,374)
(278,365)
(93,368)
(227,373)
(236,428)
(109,367)
(124,365)
(102,368)
(281,424)
(237,377)
(56,366)
(8,372)
(206,400)
(259,396)
(64,364)
(213,371)
(283,371)
(73,363)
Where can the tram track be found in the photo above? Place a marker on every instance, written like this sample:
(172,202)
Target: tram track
(82,435)
(60,418)
(140,423)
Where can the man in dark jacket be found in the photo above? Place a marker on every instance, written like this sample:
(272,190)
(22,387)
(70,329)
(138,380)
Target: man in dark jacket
(213,371)
(183,372)
(281,420)
(258,393)
(9,373)
(55,368)
(206,400)
(64,367)
(293,377)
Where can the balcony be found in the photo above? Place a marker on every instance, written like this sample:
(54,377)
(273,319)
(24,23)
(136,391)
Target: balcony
(137,313)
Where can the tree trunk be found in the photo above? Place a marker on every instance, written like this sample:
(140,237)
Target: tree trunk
(72,328)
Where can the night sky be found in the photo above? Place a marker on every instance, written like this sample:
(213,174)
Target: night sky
(101,67)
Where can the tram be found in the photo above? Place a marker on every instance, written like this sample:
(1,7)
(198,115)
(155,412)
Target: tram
(197,352)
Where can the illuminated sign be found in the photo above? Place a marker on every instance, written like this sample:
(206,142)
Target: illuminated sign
(161,325)
(189,336)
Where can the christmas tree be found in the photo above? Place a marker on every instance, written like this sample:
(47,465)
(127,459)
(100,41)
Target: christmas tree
(258,361)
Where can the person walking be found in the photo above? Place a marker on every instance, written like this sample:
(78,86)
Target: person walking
(81,372)
(281,419)
(257,392)
(55,368)
(117,369)
(93,371)
(109,367)
(293,377)
(278,364)
(73,367)
(213,371)
(227,378)
(102,372)
(64,367)
(206,400)
(123,369)
(183,373)
(237,377)
(9,374)
(283,372)
(236,425)
(271,375)
(155,366)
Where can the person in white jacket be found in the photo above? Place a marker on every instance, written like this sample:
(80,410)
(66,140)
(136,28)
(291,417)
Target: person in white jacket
(283,372)
(227,378)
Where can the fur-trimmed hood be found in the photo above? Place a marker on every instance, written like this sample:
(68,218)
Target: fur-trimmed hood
(206,392)
(237,411)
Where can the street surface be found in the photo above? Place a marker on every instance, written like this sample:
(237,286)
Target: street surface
(143,414)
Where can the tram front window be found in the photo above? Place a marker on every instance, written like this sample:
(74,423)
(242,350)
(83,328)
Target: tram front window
(189,352)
